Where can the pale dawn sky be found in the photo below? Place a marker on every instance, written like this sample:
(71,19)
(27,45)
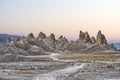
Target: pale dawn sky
(62,17)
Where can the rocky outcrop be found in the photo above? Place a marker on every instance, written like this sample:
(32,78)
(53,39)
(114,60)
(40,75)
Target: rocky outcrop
(50,42)
(101,39)
(84,37)
(112,46)
(31,39)
(30,36)
(35,50)
(22,43)
(76,46)
(41,36)
(93,40)
(61,42)
(43,43)
(10,53)
(51,38)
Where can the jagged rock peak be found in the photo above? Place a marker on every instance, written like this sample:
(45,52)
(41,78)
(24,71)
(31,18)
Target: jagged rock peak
(84,37)
(60,37)
(41,36)
(87,37)
(81,35)
(61,42)
(8,40)
(30,36)
(63,39)
(101,39)
(93,40)
(31,39)
(52,37)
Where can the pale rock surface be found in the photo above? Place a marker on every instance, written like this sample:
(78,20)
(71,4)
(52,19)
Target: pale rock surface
(93,40)
(43,43)
(84,37)
(50,42)
(35,50)
(101,39)
(31,39)
(41,36)
(61,42)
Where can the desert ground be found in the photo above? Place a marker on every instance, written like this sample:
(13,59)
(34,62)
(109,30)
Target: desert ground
(64,66)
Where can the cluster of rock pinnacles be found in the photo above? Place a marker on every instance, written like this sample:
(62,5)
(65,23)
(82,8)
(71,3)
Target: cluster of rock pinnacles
(50,43)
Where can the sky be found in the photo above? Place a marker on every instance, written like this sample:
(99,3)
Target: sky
(61,17)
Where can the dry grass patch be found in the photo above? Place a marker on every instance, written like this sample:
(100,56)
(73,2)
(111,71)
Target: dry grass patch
(40,58)
(89,57)
(25,71)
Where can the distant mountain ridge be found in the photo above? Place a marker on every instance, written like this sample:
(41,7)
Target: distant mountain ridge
(3,37)
(117,45)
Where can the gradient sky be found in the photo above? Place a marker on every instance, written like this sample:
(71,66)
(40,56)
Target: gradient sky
(62,17)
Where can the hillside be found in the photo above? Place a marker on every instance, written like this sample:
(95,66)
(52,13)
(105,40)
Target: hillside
(3,37)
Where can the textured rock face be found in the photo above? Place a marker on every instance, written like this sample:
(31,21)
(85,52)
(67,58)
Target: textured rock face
(9,53)
(30,36)
(52,38)
(93,40)
(73,46)
(84,37)
(50,42)
(35,49)
(31,39)
(101,38)
(61,42)
(23,44)
(41,36)
(43,43)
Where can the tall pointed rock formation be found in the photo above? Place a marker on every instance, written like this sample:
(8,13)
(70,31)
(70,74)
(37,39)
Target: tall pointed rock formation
(101,39)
